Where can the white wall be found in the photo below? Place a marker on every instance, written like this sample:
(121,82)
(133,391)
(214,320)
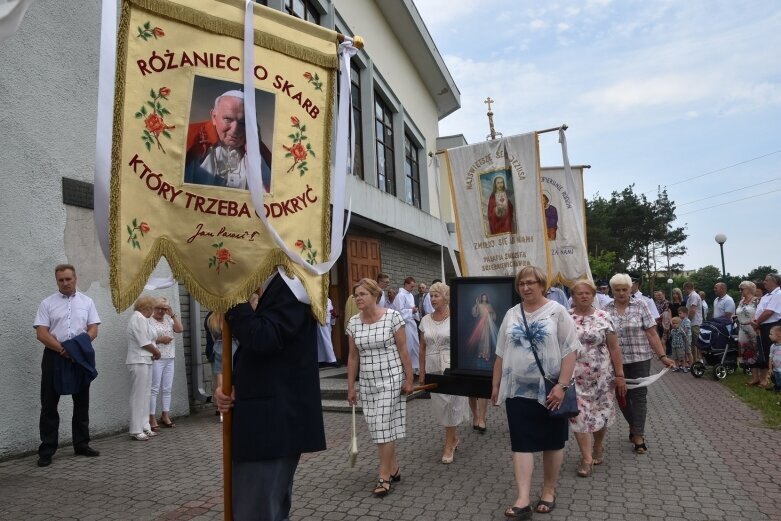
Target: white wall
(391,61)
(48,85)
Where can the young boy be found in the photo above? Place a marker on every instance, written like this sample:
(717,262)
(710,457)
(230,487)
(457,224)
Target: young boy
(686,327)
(679,341)
(775,356)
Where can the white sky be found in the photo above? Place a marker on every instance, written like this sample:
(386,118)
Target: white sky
(654,92)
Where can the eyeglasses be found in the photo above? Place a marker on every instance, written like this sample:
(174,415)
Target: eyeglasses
(527,283)
(161,309)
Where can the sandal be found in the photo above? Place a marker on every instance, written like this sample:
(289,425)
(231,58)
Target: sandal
(380,489)
(397,476)
(547,505)
(518,512)
(640,448)
(585,469)
(169,424)
(598,456)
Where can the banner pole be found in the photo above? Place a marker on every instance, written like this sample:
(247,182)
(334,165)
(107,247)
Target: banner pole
(227,420)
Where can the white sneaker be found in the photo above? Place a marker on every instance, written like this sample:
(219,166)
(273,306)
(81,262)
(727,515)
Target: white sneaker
(150,434)
(139,437)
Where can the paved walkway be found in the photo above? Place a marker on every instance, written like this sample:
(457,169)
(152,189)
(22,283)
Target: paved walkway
(709,459)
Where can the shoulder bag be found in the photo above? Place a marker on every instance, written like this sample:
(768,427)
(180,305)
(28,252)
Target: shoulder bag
(569,405)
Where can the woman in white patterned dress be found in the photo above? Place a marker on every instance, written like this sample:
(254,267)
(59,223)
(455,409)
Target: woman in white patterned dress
(377,337)
(450,410)
(747,336)
(599,372)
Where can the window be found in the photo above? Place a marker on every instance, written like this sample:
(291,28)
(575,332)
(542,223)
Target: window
(355,78)
(383,122)
(303,9)
(411,172)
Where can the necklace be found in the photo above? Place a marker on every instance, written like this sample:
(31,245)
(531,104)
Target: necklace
(439,322)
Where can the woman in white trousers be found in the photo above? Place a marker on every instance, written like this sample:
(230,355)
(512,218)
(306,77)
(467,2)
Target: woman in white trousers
(141,350)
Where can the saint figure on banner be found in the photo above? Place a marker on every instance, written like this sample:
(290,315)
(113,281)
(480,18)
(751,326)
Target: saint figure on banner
(500,208)
(216,148)
(551,217)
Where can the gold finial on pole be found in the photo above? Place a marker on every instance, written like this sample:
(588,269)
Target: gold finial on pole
(494,134)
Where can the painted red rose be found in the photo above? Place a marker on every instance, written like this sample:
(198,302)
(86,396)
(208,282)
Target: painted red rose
(295,121)
(298,151)
(154,124)
(223,255)
(158,32)
(164,91)
(144,227)
(299,243)
(308,75)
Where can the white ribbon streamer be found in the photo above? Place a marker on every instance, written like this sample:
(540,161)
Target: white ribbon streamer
(108,65)
(339,171)
(637,383)
(11,14)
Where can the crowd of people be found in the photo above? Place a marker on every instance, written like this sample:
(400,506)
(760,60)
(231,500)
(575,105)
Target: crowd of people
(603,337)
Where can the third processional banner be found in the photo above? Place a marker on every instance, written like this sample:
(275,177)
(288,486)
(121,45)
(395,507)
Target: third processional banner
(565,227)
(497,202)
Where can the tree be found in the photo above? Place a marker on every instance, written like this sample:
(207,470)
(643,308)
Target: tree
(638,231)
(705,278)
(759,273)
(602,266)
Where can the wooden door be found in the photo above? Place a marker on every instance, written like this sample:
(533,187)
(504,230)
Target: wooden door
(363,259)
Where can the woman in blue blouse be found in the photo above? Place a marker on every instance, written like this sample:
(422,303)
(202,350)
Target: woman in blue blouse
(518,383)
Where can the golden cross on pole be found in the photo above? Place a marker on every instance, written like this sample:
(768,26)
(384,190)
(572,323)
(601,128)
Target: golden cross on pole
(494,134)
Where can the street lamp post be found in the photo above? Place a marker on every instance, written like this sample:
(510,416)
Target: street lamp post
(721,239)
(670,283)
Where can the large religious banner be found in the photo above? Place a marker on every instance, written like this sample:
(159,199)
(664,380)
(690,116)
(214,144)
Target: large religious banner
(497,205)
(181,171)
(565,226)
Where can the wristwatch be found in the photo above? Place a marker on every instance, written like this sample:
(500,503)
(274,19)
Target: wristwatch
(565,387)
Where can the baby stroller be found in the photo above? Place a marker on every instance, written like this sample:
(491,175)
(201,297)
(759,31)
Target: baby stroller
(718,346)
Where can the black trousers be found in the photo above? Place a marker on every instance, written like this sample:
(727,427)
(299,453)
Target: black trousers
(263,490)
(49,424)
(636,399)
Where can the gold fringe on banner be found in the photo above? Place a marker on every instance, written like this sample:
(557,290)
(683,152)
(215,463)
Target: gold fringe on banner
(224,27)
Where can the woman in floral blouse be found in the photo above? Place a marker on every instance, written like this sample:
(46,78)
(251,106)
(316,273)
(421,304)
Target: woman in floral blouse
(599,372)
(544,325)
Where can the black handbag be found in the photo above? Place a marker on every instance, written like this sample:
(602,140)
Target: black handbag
(569,405)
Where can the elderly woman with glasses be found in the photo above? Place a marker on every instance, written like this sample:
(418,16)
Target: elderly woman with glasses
(544,327)
(639,341)
(164,323)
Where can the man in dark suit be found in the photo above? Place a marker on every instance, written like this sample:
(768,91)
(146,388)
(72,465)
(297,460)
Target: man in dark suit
(277,414)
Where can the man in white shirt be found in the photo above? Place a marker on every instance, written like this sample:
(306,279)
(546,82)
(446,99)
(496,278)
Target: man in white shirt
(63,316)
(723,305)
(694,305)
(638,295)
(404,303)
(383,280)
(704,305)
(603,293)
(767,315)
